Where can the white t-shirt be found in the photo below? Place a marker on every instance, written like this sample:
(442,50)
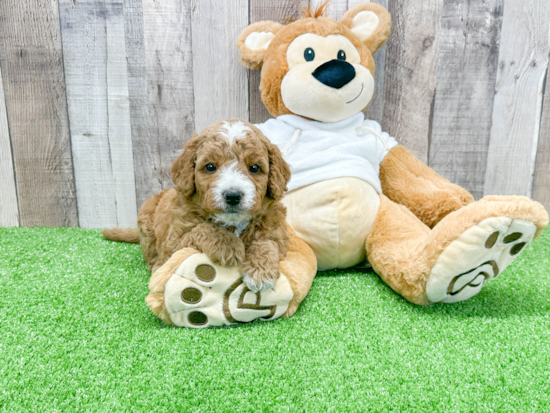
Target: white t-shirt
(317,151)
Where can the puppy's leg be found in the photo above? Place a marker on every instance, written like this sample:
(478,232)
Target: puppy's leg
(222,246)
(261,266)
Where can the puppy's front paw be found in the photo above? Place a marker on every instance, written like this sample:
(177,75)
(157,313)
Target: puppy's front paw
(227,254)
(257,279)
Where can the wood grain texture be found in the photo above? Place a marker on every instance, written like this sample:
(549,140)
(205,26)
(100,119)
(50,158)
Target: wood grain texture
(97,95)
(9,213)
(463,107)
(275,10)
(220,81)
(541,179)
(32,70)
(410,73)
(169,64)
(523,62)
(146,181)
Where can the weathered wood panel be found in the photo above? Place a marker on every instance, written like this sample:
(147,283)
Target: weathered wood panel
(280,11)
(97,92)
(32,70)
(147,183)
(523,61)
(541,180)
(9,213)
(169,63)
(410,73)
(220,81)
(463,107)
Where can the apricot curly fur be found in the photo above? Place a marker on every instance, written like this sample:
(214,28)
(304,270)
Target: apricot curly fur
(183,217)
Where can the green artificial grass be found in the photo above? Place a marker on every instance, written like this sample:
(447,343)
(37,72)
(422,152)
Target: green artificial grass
(76,334)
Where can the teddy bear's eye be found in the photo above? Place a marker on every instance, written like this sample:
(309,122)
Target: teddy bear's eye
(341,55)
(309,54)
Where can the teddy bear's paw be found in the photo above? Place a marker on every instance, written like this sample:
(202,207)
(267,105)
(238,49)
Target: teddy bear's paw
(479,254)
(203,294)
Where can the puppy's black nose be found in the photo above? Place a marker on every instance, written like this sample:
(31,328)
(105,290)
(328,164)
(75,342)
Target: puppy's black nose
(233,197)
(335,73)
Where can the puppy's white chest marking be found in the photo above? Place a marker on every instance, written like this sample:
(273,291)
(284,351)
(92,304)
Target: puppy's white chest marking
(232,220)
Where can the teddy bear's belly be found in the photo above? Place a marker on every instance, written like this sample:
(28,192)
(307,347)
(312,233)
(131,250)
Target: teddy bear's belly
(334,217)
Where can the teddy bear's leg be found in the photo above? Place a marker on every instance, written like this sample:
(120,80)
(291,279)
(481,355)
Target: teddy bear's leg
(300,267)
(423,191)
(191,291)
(453,261)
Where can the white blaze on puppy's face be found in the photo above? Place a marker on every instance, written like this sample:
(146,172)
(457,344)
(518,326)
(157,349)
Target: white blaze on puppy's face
(231,179)
(234,131)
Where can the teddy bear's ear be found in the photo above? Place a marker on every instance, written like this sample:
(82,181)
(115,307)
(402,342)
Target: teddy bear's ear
(370,22)
(254,40)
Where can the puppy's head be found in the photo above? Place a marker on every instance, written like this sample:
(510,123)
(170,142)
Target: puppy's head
(231,171)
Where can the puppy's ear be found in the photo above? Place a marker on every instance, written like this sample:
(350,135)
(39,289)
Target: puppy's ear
(253,42)
(279,173)
(370,22)
(183,168)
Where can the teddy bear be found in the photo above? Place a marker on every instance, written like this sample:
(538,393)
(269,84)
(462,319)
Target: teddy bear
(356,195)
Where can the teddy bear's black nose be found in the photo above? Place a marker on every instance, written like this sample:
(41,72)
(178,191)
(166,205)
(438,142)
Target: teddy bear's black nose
(334,73)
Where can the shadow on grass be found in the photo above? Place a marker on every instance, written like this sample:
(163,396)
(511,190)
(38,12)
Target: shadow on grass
(498,299)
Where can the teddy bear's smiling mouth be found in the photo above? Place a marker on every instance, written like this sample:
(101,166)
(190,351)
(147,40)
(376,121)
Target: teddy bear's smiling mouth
(355,98)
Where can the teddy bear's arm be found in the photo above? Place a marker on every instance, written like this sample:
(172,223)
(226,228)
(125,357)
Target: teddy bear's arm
(425,193)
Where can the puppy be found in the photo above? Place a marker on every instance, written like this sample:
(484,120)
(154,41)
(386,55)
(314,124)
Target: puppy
(229,181)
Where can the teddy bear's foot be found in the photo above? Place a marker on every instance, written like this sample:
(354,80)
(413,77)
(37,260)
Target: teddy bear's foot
(476,256)
(202,294)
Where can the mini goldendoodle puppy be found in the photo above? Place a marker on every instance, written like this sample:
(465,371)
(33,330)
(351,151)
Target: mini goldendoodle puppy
(229,181)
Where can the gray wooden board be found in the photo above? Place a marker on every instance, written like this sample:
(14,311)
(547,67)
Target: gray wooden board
(97,96)
(147,181)
(466,73)
(32,70)
(522,66)
(541,180)
(9,214)
(410,73)
(276,10)
(169,65)
(220,81)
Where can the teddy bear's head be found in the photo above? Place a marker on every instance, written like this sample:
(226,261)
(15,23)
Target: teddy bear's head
(317,67)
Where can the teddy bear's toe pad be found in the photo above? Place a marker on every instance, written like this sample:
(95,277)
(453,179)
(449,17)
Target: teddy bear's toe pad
(202,294)
(480,253)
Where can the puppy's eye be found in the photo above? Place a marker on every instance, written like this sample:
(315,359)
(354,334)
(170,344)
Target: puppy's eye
(341,55)
(210,167)
(254,169)
(309,54)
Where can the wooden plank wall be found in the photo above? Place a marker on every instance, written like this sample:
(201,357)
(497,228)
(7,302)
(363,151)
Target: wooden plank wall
(98,96)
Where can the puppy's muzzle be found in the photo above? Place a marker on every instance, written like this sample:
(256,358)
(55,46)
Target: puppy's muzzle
(232,198)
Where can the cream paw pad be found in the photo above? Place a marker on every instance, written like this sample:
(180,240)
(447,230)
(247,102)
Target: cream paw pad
(477,255)
(202,294)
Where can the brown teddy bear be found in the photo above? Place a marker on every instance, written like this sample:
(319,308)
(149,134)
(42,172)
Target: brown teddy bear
(355,194)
